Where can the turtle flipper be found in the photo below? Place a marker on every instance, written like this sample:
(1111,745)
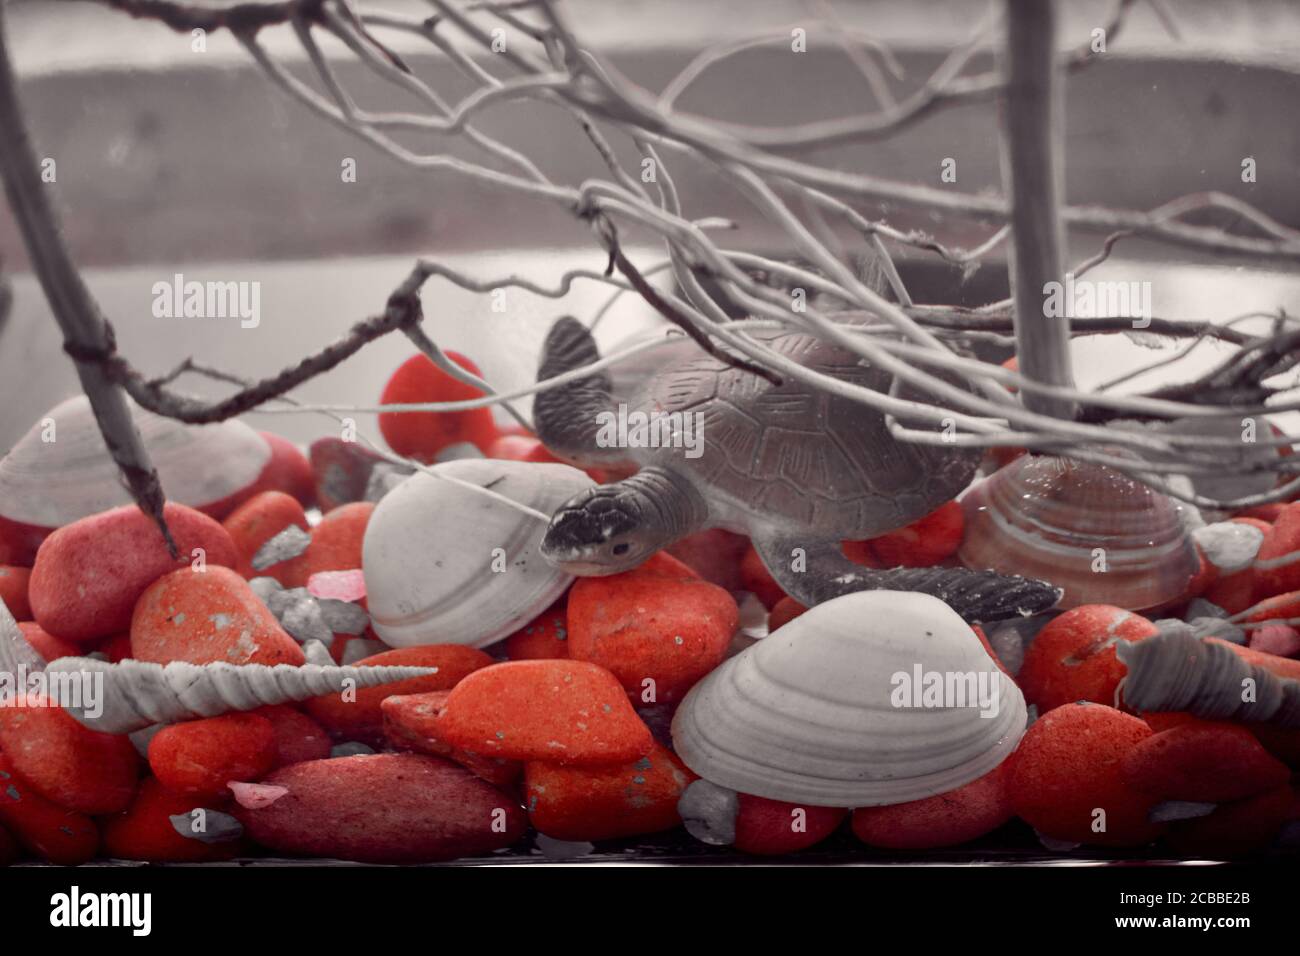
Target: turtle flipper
(567,417)
(976,595)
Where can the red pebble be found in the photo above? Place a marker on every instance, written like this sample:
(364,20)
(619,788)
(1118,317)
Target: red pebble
(88,574)
(411,723)
(1282,538)
(1280,607)
(335,546)
(13,591)
(569,712)
(946,819)
(988,649)
(1066,779)
(519,448)
(714,555)
(1281,666)
(545,638)
(601,803)
(9,851)
(1073,657)
(758,580)
(51,648)
(1234,829)
(199,757)
(785,611)
(651,624)
(117,648)
(208,616)
(45,829)
(144,831)
(19,542)
(1205,761)
(923,543)
(384,808)
(65,762)
(288,470)
(257,521)
(297,736)
(772,827)
(359,717)
(421,435)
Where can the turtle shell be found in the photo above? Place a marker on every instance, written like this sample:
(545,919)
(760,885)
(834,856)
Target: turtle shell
(794,456)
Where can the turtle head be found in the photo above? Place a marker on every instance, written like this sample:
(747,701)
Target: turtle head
(604,530)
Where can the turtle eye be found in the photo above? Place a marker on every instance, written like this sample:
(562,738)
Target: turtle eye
(622,549)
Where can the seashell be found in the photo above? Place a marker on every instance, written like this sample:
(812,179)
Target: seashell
(1175,670)
(445,562)
(1065,521)
(49,483)
(821,711)
(135,694)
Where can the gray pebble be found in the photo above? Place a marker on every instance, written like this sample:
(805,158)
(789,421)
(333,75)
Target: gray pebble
(289,543)
(709,812)
(217,827)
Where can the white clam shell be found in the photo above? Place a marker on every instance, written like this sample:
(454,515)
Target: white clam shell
(431,545)
(51,483)
(131,695)
(815,713)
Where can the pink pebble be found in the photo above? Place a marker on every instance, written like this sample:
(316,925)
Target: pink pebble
(255,796)
(338,585)
(1280,639)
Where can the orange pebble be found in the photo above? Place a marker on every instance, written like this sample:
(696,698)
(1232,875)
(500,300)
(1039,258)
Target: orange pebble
(773,827)
(13,591)
(545,638)
(199,757)
(358,716)
(19,542)
(411,723)
(45,829)
(651,624)
(207,616)
(297,736)
(1066,779)
(51,648)
(67,763)
(335,546)
(88,574)
(421,435)
(714,555)
(946,819)
(1073,657)
(1282,538)
(785,611)
(144,831)
(569,712)
(758,580)
(117,648)
(988,649)
(1277,608)
(601,803)
(1214,762)
(257,521)
(923,543)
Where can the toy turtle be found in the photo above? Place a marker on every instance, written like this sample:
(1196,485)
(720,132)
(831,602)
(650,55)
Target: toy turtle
(795,468)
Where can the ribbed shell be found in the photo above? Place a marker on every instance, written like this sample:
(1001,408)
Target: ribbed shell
(1045,517)
(429,552)
(52,483)
(137,694)
(796,455)
(807,715)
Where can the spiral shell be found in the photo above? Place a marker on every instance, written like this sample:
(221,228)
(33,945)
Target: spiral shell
(813,713)
(136,694)
(1177,671)
(1102,537)
(446,562)
(61,470)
